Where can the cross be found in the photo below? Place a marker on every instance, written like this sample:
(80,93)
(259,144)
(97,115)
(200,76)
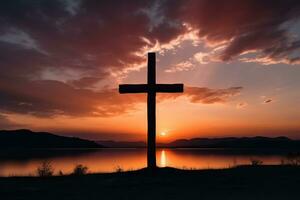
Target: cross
(151,88)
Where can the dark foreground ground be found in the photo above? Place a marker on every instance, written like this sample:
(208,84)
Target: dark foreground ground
(246,182)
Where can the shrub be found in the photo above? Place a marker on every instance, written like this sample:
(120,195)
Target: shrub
(60,173)
(291,159)
(119,169)
(45,169)
(256,162)
(80,170)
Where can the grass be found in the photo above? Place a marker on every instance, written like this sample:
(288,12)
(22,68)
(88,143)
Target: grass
(243,182)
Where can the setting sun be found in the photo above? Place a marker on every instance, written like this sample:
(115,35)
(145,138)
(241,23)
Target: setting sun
(163,133)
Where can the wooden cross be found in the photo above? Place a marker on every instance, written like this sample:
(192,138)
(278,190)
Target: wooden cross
(151,88)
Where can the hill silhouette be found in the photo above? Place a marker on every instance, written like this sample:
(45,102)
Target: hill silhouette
(257,142)
(26,139)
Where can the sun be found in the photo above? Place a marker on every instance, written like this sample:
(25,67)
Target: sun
(163,133)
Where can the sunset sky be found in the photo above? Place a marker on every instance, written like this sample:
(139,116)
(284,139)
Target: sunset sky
(61,62)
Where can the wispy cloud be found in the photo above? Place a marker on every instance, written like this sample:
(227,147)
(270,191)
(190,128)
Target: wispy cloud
(182,66)
(241,105)
(51,98)
(5,123)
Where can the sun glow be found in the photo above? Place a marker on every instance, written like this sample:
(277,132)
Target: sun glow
(163,133)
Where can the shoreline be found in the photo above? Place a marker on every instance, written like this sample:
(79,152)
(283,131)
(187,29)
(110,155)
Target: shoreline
(242,182)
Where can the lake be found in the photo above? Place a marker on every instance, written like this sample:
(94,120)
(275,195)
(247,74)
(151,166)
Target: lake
(109,160)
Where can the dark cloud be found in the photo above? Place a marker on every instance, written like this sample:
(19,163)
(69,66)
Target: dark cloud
(98,36)
(247,25)
(268,100)
(49,98)
(94,37)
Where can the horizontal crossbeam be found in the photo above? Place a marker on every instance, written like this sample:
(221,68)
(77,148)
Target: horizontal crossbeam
(130,88)
(169,88)
(144,88)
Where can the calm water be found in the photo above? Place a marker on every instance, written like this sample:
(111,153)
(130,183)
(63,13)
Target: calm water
(108,160)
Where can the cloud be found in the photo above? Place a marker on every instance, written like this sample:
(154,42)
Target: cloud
(241,105)
(52,59)
(203,95)
(245,26)
(182,66)
(52,98)
(155,15)
(88,82)
(268,101)
(5,123)
(189,64)
(202,58)
(18,37)
(94,39)
(49,98)
(90,36)
(210,96)
(72,6)
(274,47)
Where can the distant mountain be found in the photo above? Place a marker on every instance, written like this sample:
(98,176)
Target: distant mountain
(26,139)
(258,142)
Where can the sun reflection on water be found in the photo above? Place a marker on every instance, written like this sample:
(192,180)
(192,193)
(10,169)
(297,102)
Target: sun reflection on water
(163,159)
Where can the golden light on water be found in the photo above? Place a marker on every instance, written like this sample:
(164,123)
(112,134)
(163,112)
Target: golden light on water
(163,159)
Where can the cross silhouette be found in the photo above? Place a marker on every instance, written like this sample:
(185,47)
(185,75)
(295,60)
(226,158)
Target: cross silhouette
(151,88)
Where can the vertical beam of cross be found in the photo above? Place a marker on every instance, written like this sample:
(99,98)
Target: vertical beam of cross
(151,88)
(151,111)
